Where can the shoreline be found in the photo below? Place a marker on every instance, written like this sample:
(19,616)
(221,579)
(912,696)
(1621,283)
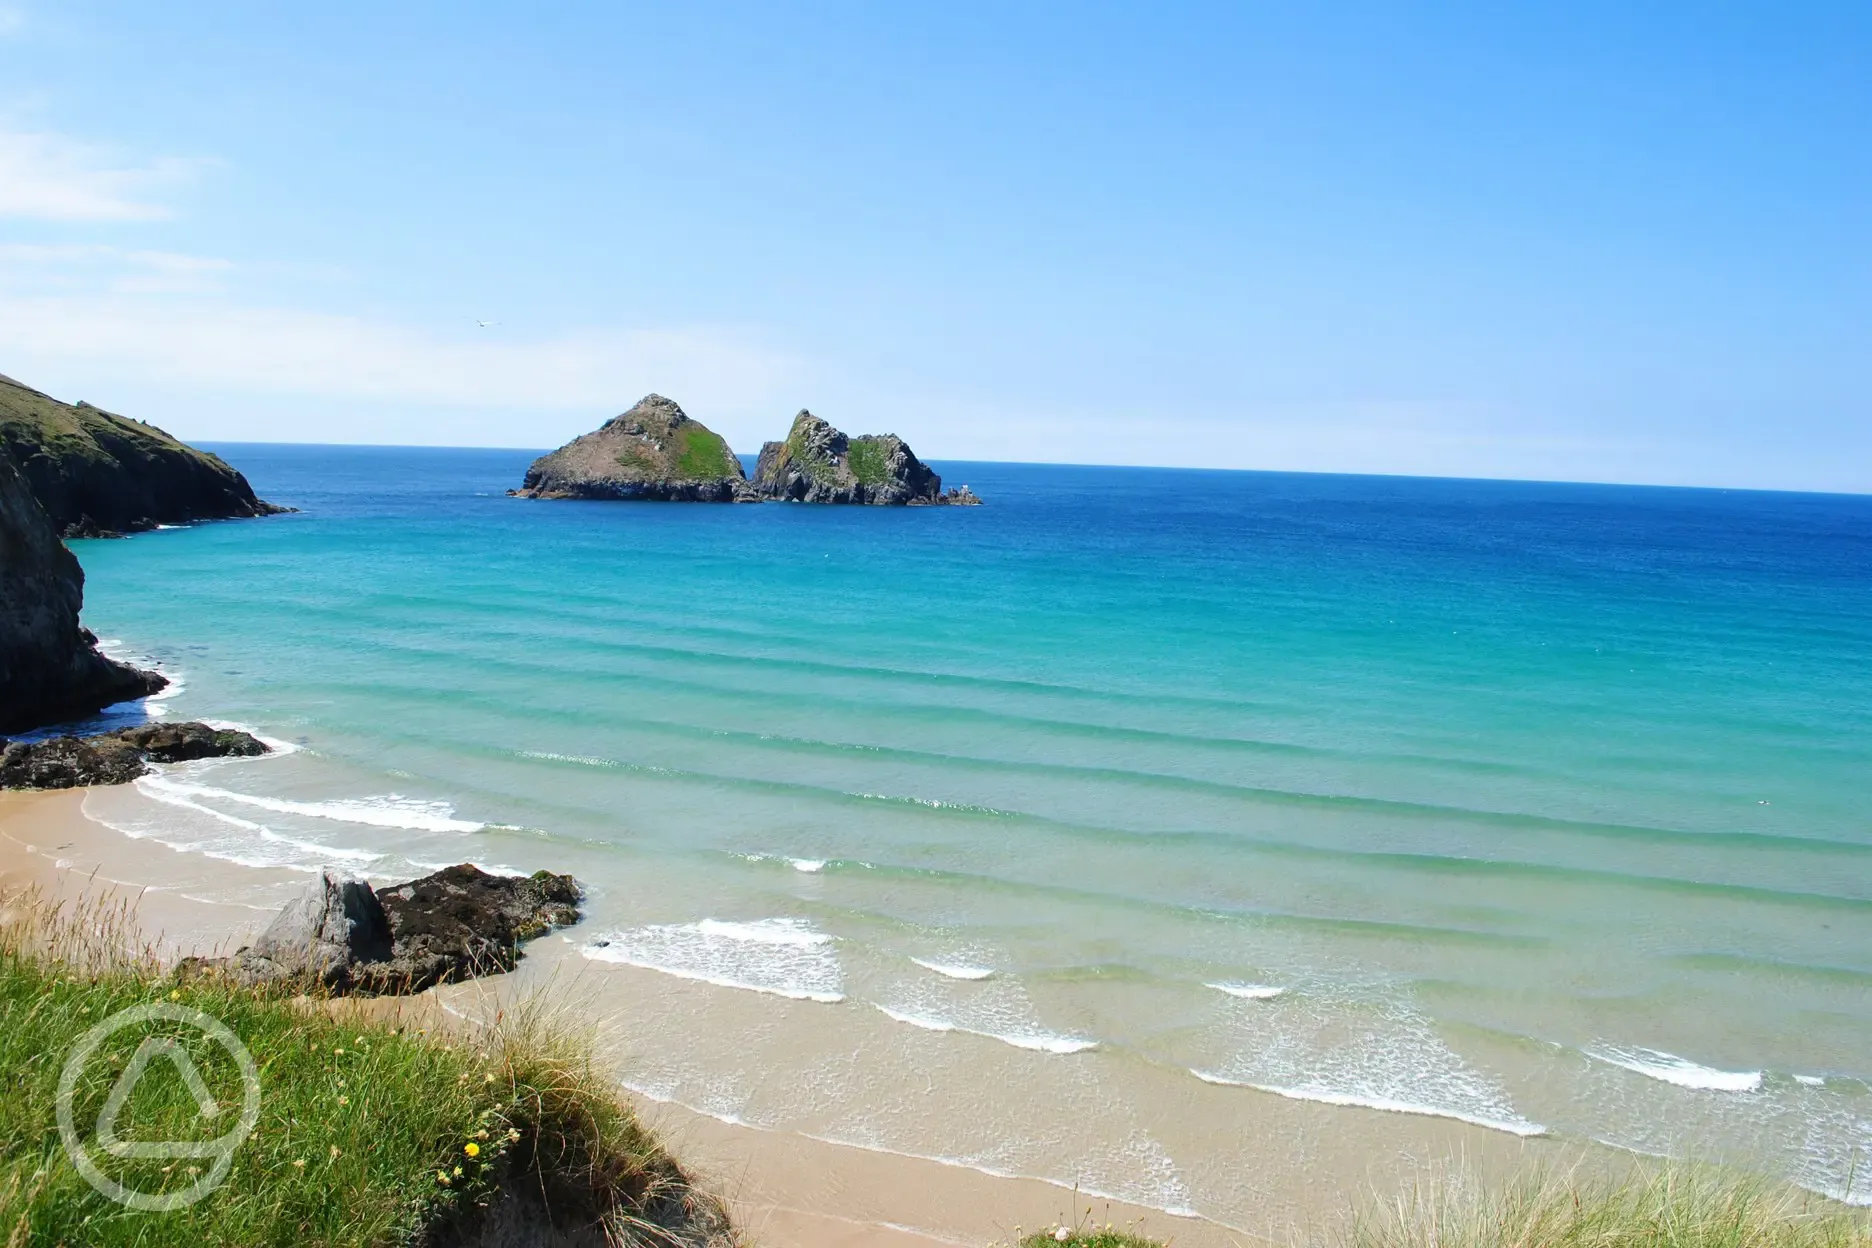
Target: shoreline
(786,1189)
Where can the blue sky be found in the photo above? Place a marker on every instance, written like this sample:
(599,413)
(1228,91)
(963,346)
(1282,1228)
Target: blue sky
(1582,241)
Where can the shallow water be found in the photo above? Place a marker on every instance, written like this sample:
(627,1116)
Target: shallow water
(1109,809)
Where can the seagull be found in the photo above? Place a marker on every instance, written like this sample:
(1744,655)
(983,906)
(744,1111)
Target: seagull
(484,324)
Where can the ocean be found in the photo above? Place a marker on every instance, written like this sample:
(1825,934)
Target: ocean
(1071,835)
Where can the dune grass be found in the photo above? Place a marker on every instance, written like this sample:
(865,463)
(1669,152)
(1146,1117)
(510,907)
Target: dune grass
(366,1133)
(1651,1205)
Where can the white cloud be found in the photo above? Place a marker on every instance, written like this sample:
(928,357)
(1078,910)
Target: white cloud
(50,268)
(218,345)
(50,177)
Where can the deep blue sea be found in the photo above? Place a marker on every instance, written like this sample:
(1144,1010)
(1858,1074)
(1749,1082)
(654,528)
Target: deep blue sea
(1096,832)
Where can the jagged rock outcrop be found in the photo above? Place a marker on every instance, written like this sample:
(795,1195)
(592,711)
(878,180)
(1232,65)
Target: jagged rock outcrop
(97,474)
(818,464)
(116,757)
(652,452)
(350,938)
(50,668)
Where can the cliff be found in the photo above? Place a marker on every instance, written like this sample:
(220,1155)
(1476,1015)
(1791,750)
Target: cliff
(50,669)
(818,464)
(654,452)
(98,474)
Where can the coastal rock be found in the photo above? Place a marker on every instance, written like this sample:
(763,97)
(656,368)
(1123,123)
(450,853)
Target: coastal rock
(349,938)
(98,474)
(50,668)
(333,925)
(116,757)
(819,464)
(652,452)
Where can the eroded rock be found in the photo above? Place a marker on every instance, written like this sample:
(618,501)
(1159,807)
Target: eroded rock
(116,757)
(347,937)
(818,464)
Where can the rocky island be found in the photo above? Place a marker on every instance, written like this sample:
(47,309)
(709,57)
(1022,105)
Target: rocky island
(656,452)
(98,474)
(653,452)
(818,464)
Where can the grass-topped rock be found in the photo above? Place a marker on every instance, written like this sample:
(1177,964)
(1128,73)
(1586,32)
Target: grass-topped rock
(819,464)
(653,452)
(98,474)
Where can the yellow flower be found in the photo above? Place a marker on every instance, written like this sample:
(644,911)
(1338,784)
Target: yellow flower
(458,1172)
(488,1078)
(442,1177)
(472,1149)
(175,994)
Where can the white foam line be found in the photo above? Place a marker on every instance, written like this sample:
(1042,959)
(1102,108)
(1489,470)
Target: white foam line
(274,744)
(1326,1096)
(425,817)
(612,954)
(954,971)
(1669,1068)
(147,785)
(811,866)
(1811,1081)
(1040,1043)
(1248,992)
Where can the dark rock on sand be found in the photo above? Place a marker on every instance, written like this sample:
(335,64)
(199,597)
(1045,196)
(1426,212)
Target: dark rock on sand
(453,925)
(818,464)
(50,668)
(97,474)
(116,757)
(652,452)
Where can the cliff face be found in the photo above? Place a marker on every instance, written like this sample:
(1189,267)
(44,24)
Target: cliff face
(818,464)
(653,451)
(50,669)
(96,473)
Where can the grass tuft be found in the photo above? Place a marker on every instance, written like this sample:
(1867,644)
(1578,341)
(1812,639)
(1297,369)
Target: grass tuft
(368,1133)
(1651,1206)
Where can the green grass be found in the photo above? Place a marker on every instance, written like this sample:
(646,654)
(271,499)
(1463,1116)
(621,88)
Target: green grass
(1653,1205)
(700,454)
(868,463)
(1102,1238)
(367,1134)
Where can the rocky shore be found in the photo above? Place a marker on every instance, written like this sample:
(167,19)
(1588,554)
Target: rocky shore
(348,938)
(50,667)
(116,757)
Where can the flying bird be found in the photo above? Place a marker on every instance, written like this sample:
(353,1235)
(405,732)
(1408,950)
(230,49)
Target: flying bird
(485,324)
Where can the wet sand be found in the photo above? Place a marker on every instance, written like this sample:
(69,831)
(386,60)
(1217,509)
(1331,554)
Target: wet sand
(1304,1165)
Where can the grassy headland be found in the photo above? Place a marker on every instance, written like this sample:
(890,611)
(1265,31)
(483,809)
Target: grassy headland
(366,1134)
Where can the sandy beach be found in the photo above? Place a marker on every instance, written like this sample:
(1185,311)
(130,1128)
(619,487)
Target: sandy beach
(1307,1163)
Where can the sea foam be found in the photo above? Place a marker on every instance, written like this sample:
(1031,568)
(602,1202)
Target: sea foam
(1656,1064)
(387,811)
(956,971)
(1038,1042)
(782,957)
(1248,992)
(1332,1096)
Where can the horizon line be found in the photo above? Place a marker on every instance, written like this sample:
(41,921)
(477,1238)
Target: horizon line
(1040,463)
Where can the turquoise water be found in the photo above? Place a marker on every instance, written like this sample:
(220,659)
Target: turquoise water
(1135,797)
